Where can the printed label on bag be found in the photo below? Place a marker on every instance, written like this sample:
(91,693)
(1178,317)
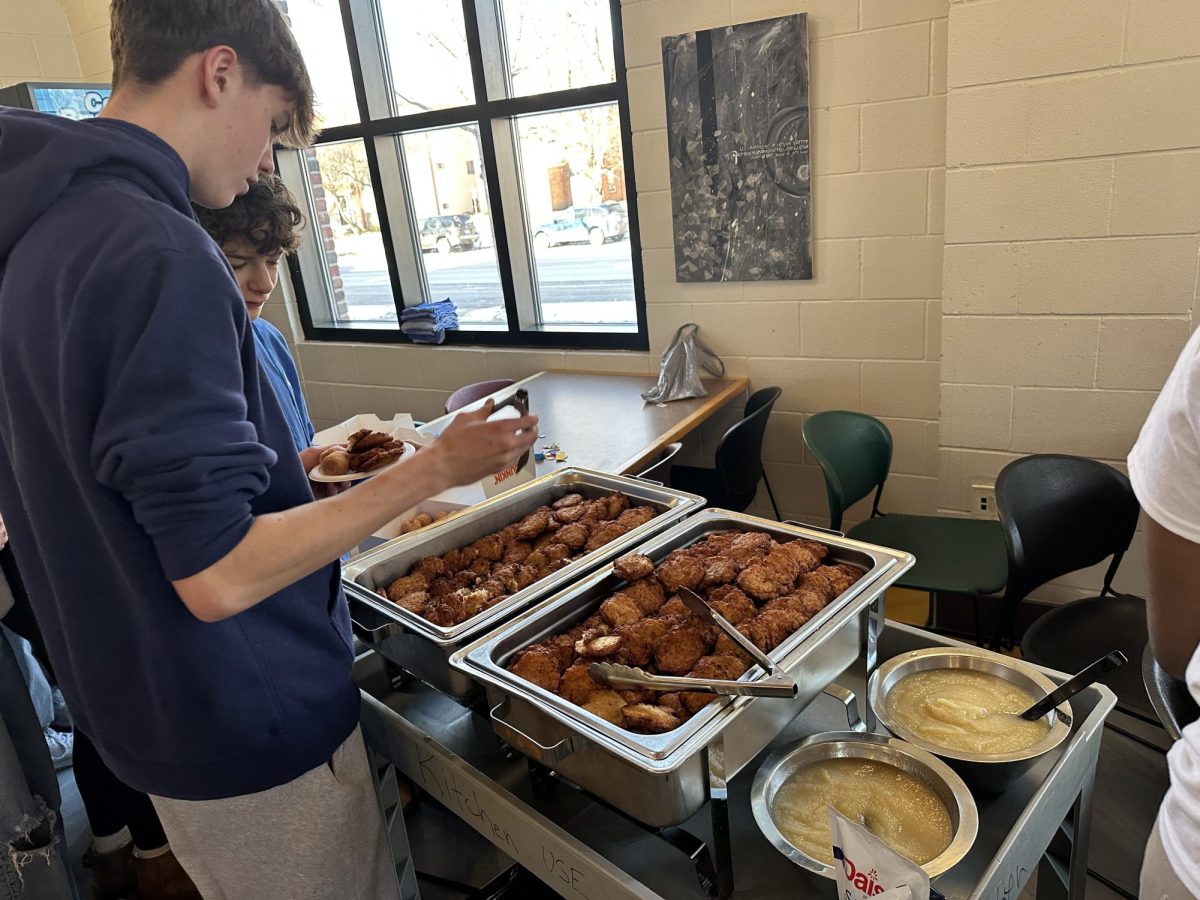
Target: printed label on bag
(516,474)
(867,867)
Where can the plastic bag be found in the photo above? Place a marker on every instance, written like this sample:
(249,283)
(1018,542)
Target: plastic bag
(679,374)
(867,867)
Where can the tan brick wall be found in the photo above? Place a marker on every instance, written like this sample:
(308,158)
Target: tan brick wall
(864,333)
(89,28)
(54,40)
(1072,231)
(35,42)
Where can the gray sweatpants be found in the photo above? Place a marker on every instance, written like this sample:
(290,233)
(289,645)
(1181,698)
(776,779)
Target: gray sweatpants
(1158,879)
(320,837)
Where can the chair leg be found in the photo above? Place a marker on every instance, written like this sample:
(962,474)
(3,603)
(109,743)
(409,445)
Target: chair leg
(771,494)
(1002,637)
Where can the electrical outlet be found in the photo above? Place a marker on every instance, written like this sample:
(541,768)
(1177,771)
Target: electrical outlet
(983,502)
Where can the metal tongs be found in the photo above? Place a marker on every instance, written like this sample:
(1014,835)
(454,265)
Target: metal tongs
(519,400)
(774,685)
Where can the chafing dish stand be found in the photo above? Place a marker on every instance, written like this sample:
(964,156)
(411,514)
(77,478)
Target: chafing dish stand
(583,848)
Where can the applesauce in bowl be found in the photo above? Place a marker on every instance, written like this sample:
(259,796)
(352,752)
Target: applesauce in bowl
(899,808)
(946,712)
(965,710)
(885,784)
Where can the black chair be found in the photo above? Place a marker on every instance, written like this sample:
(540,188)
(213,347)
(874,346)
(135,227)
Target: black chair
(1169,696)
(733,484)
(1061,514)
(958,557)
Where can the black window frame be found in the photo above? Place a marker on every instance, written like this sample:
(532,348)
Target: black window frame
(481,114)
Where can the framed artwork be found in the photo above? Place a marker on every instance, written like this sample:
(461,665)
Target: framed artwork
(738,141)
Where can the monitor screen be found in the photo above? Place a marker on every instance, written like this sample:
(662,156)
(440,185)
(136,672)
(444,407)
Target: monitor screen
(73,103)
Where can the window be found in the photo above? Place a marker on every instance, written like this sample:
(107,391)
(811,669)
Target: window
(477,150)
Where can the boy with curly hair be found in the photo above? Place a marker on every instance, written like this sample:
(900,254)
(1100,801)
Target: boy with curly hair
(254,232)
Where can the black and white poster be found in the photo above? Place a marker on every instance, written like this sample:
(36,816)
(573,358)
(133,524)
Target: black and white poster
(738,140)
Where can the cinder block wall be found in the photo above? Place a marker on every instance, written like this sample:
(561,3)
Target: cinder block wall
(36,42)
(1072,231)
(864,333)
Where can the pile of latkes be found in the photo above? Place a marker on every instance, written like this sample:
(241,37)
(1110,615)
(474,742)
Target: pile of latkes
(766,589)
(455,586)
(365,451)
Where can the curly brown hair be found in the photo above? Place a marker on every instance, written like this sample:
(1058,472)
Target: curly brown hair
(267,217)
(151,38)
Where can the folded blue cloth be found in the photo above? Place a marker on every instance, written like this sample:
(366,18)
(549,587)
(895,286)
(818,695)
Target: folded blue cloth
(442,312)
(412,327)
(427,323)
(441,322)
(433,337)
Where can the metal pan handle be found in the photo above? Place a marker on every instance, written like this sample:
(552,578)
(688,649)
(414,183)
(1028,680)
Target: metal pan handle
(850,701)
(373,636)
(812,527)
(550,756)
(648,480)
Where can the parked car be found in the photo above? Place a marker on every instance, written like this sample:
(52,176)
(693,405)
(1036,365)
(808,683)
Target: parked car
(588,224)
(446,233)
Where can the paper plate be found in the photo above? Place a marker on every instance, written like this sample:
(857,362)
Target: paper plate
(317,475)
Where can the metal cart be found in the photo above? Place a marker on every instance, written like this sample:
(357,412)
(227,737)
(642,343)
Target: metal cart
(583,848)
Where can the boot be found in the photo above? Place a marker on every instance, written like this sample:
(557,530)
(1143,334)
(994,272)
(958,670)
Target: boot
(112,873)
(162,878)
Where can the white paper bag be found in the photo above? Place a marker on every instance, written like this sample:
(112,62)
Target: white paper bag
(867,867)
(515,474)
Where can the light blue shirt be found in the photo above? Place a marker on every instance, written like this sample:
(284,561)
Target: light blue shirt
(277,362)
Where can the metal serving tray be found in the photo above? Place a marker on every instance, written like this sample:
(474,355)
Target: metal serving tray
(662,779)
(423,648)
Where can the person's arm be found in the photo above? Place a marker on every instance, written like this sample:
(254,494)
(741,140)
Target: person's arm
(173,438)
(1173,565)
(283,547)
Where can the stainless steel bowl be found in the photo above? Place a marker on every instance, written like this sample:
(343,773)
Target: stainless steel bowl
(989,772)
(780,765)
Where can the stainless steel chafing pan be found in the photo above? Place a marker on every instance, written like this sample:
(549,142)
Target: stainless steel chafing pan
(662,779)
(423,648)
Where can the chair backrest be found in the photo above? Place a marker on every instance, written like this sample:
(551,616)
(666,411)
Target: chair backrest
(1060,514)
(660,470)
(467,395)
(854,451)
(739,454)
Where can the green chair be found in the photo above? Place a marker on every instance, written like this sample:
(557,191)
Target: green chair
(954,556)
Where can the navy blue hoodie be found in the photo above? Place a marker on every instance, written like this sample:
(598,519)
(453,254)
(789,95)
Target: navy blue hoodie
(138,440)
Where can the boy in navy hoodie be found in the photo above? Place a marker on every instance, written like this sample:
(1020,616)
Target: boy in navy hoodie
(185,580)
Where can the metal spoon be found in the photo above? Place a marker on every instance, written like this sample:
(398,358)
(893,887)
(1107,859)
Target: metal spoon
(1073,686)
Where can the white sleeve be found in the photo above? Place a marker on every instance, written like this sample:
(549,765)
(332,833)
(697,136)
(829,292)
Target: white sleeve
(1164,465)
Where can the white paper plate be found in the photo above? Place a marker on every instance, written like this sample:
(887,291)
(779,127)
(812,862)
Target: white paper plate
(317,475)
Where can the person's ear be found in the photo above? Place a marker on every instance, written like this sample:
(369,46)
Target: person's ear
(218,66)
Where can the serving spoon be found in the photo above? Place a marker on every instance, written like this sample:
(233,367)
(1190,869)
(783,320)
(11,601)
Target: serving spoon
(1073,686)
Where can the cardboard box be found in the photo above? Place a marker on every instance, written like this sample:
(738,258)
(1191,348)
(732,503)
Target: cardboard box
(433,507)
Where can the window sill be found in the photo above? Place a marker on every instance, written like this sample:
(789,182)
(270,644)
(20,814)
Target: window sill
(544,337)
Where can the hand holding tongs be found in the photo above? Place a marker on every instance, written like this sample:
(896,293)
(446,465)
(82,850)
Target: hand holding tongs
(518,400)
(775,685)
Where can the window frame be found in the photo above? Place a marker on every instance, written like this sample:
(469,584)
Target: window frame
(490,117)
